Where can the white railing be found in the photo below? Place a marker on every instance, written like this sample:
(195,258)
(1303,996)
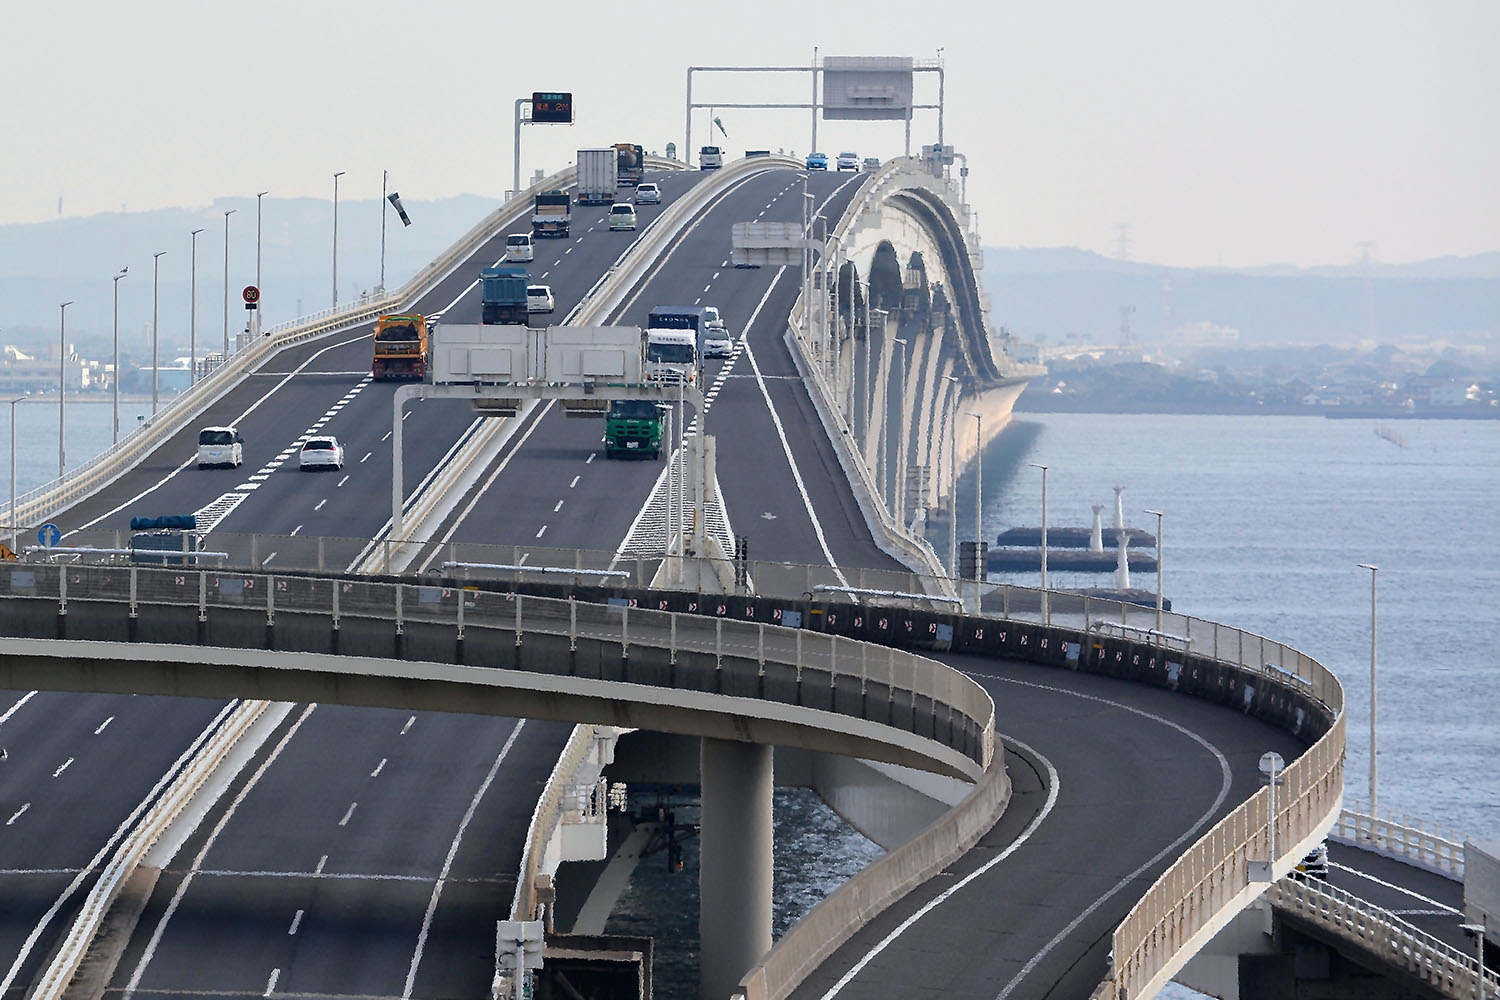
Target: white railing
(1401,841)
(1380,932)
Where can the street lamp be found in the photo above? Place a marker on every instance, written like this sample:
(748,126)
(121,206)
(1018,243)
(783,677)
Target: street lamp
(1158,567)
(336,177)
(192,324)
(62,388)
(899,501)
(155,298)
(1045,616)
(14,525)
(979,568)
(952,476)
(1476,931)
(227,214)
(256,314)
(116,379)
(1374,572)
(1272,767)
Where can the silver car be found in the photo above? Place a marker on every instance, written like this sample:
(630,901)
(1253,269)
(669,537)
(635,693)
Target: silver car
(647,194)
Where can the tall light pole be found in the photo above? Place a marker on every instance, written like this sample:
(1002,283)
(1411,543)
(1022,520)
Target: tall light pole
(227,214)
(155,299)
(260,302)
(336,177)
(900,500)
(192,322)
(1158,567)
(385,178)
(952,477)
(14,526)
(62,387)
(1045,616)
(115,381)
(1374,572)
(979,567)
(1476,931)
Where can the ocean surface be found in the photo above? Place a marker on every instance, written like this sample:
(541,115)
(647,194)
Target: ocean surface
(1266,519)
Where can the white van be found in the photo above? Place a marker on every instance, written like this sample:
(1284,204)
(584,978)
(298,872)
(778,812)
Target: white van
(518,247)
(220,446)
(710,158)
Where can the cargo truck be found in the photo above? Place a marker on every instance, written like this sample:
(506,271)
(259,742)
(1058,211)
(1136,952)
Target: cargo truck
(597,176)
(630,164)
(632,427)
(672,356)
(552,213)
(400,347)
(503,294)
(169,540)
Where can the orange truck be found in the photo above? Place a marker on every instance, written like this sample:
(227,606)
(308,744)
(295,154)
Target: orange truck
(401,347)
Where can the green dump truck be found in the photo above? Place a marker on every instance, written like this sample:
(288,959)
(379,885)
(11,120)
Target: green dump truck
(632,427)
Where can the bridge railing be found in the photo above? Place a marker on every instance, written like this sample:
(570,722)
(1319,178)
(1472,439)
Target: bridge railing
(1403,841)
(1438,964)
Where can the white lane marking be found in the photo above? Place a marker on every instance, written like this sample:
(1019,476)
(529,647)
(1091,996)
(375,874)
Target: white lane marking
(409,723)
(18,814)
(558,507)
(296,922)
(524,556)
(1401,889)
(268,558)
(708,286)
(1053,783)
(379,767)
(296,529)
(321,862)
(19,702)
(557,262)
(320,503)
(237,420)
(715,278)
(366,458)
(65,765)
(437,887)
(342,481)
(574,482)
(406,414)
(541,531)
(545,273)
(386,438)
(347,815)
(586,461)
(786,445)
(569,250)
(698,300)
(104,725)
(275,975)
(109,845)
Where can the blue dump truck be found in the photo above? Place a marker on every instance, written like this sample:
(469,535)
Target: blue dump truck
(170,540)
(503,294)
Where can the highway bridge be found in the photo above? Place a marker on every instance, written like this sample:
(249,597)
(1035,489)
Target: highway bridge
(310,815)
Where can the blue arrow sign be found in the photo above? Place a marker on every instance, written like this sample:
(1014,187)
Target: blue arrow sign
(49,534)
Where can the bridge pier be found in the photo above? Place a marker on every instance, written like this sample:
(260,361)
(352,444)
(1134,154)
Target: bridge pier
(734,880)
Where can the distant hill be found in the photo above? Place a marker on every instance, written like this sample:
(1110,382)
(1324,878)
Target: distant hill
(1048,293)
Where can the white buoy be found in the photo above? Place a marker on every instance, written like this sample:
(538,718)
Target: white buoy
(1122,564)
(1119,508)
(1096,537)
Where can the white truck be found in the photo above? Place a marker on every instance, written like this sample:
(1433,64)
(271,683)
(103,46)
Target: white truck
(672,357)
(598,176)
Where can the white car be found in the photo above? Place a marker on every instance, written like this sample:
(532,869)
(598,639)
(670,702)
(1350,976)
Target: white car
(647,194)
(321,453)
(848,161)
(622,216)
(519,248)
(539,299)
(220,446)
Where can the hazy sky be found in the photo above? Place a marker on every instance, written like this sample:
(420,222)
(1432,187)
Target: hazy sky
(1233,133)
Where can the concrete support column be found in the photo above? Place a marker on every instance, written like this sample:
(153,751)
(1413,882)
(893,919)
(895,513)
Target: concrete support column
(734,878)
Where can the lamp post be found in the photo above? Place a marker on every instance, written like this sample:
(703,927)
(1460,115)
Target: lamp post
(385,178)
(227,214)
(1476,931)
(255,316)
(1158,567)
(979,568)
(1374,572)
(11,511)
(155,299)
(900,499)
(115,381)
(192,321)
(336,177)
(952,477)
(1045,616)
(62,388)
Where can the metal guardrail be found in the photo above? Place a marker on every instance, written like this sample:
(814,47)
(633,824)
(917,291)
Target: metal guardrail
(1397,943)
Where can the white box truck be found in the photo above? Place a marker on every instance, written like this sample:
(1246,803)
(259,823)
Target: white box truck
(597,176)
